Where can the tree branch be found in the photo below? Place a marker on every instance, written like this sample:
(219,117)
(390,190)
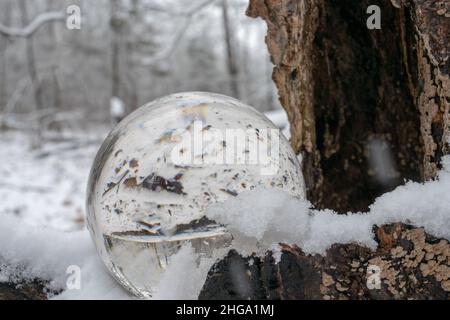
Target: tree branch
(171,48)
(29,30)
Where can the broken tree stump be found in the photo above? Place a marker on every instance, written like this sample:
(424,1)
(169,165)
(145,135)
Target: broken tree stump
(345,86)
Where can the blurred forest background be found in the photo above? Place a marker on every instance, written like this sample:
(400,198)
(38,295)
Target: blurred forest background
(126,53)
(62,90)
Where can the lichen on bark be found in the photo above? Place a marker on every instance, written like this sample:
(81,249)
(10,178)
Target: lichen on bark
(412,265)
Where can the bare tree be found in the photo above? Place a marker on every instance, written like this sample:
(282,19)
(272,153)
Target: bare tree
(31,58)
(141,53)
(132,88)
(56,94)
(3,45)
(33,81)
(116,23)
(232,65)
(188,18)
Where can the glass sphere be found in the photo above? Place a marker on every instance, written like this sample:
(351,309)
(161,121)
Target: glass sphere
(158,171)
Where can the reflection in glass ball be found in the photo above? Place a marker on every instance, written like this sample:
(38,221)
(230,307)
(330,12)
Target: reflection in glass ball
(162,166)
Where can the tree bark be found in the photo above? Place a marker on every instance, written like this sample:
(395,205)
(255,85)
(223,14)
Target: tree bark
(24,291)
(347,88)
(409,264)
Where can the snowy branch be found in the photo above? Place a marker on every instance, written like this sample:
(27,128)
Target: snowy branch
(29,30)
(170,49)
(181,13)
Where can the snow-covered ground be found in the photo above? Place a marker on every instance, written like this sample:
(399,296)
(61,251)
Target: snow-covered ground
(42,207)
(42,231)
(46,186)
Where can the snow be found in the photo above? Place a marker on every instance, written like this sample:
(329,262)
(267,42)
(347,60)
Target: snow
(45,187)
(279,118)
(33,252)
(117,107)
(185,275)
(42,234)
(262,218)
(47,253)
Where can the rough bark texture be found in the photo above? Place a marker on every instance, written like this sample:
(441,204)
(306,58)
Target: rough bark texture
(25,291)
(344,86)
(413,265)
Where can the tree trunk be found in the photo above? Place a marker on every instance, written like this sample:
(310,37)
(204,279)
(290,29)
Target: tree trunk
(56,92)
(368,108)
(233,72)
(116,24)
(3,46)
(132,102)
(31,58)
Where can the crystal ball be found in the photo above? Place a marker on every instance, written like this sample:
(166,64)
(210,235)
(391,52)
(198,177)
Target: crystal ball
(157,172)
